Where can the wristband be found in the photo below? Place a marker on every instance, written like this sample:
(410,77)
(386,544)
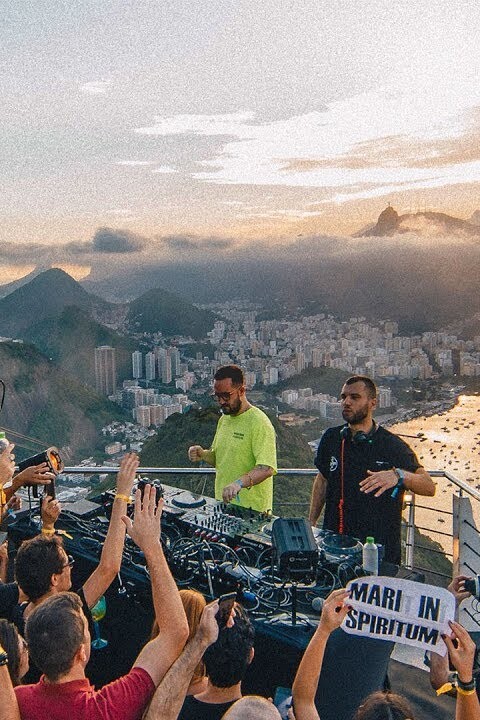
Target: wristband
(466,686)
(461,691)
(3,658)
(239,483)
(400,481)
(120,496)
(48,531)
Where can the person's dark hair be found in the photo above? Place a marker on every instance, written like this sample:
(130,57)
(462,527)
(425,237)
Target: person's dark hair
(370,386)
(37,560)
(226,661)
(384,706)
(233,372)
(9,640)
(54,631)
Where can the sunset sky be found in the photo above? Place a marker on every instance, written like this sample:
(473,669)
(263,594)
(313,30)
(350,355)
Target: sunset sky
(242,119)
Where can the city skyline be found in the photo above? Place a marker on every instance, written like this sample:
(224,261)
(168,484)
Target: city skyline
(226,122)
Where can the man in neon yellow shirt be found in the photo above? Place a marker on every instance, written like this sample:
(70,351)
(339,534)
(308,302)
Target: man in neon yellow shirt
(243,449)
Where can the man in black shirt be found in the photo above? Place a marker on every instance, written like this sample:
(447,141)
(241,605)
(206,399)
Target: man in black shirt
(363,472)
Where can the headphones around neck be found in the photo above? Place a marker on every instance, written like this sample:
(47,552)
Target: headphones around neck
(359,437)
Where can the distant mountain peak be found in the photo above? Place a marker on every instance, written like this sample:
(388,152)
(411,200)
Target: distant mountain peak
(421,223)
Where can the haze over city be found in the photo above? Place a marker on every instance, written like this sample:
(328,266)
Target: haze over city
(188,127)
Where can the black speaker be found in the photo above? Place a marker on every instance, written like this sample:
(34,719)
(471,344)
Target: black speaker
(294,548)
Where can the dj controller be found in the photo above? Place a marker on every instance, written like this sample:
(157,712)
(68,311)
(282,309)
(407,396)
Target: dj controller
(213,547)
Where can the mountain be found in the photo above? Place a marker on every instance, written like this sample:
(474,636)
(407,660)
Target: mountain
(161,311)
(15,284)
(421,223)
(70,339)
(47,404)
(168,448)
(66,322)
(44,296)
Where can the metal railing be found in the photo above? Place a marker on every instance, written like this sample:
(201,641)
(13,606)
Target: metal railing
(454,541)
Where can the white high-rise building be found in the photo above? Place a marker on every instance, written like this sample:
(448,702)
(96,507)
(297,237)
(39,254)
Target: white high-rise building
(150,373)
(137,364)
(105,370)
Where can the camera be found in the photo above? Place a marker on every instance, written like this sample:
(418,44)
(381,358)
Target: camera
(473,586)
(52,457)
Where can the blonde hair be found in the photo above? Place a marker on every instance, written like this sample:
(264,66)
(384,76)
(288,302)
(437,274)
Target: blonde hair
(193,603)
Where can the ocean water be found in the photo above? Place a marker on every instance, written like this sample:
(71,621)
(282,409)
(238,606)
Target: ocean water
(451,442)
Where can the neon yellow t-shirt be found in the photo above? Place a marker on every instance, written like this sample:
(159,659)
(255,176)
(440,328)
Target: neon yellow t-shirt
(241,442)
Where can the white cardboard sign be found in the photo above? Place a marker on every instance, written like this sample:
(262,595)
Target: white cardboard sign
(401,611)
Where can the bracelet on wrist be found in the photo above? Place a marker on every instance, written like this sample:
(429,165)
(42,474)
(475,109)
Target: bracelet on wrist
(127,498)
(239,483)
(400,475)
(461,691)
(466,686)
(3,658)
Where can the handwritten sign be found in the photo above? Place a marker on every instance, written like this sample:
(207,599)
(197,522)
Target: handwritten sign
(401,611)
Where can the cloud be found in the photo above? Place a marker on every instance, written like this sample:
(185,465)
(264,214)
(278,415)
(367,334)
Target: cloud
(164,170)
(135,163)
(420,131)
(108,240)
(95,87)
(190,243)
(206,125)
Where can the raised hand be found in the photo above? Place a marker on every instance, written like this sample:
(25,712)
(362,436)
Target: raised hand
(146,529)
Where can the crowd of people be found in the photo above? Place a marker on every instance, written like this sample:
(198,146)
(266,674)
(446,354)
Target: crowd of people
(196,658)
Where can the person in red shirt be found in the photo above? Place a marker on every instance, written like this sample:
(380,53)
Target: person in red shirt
(59,642)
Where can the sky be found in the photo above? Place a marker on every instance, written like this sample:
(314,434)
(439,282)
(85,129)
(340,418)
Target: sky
(146,119)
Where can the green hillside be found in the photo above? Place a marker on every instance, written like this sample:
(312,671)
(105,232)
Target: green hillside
(47,404)
(71,338)
(161,311)
(197,427)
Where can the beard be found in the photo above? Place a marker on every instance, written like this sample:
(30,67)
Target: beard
(232,408)
(354,418)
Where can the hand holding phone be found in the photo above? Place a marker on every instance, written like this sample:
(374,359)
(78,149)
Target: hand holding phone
(283,701)
(225,607)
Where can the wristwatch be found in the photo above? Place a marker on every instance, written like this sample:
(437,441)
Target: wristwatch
(400,481)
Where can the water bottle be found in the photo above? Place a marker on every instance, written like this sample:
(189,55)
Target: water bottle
(370,557)
(4,443)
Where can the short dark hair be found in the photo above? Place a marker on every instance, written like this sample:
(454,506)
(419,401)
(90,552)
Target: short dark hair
(37,560)
(9,639)
(384,706)
(226,661)
(54,631)
(370,386)
(233,372)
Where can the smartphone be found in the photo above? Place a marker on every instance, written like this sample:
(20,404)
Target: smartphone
(3,537)
(158,488)
(225,607)
(283,701)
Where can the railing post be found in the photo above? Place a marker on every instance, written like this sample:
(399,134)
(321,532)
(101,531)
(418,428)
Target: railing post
(410,535)
(466,554)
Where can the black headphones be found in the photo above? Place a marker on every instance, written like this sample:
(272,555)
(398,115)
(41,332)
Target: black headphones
(359,437)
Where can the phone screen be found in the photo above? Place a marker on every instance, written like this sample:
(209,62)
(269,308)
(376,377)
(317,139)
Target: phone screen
(283,701)
(225,606)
